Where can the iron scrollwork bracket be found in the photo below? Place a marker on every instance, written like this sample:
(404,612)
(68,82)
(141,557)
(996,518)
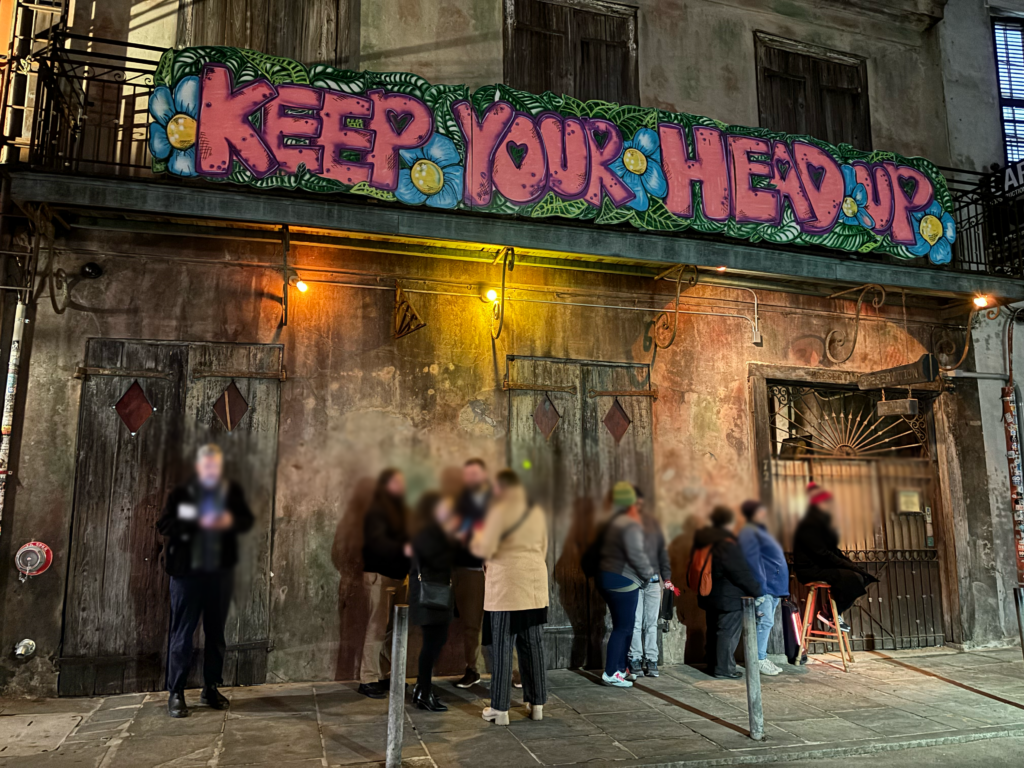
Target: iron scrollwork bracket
(838,337)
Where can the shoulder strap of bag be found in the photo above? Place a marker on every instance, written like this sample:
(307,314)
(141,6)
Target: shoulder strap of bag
(514,528)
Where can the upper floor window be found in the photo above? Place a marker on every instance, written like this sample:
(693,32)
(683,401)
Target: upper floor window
(583,48)
(810,91)
(1010,62)
(321,32)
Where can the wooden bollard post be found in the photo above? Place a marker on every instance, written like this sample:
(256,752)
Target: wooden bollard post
(396,705)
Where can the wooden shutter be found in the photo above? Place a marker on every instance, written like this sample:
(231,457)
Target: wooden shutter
(583,50)
(321,32)
(824,96)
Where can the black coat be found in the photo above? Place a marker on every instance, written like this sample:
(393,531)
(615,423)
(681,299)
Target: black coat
(184,536)
(816,549)
(731,577)
(384,538)
(471,514)
(434,557)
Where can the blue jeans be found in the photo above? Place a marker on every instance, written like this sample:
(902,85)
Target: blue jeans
(621,595)
(765,621)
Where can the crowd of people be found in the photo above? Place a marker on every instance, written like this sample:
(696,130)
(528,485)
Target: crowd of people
(483,555)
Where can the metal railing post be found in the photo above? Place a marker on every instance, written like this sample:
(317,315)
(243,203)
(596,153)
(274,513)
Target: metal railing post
(1018,599)
(396,705)
(754,710)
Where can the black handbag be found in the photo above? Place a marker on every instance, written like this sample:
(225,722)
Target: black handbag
(433,595)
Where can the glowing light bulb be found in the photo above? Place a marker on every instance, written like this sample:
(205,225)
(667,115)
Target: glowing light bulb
(492,295)
(981,301)
(301,286)
(720,269)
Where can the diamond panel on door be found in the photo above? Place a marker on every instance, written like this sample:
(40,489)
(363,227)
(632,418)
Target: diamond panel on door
(617,421)
(134,408)
(230,407)
(546,417)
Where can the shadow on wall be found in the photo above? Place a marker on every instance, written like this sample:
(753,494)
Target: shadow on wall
(679,551)
(583,606)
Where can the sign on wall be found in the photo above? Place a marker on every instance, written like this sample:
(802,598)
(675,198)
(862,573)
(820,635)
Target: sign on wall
(236,115)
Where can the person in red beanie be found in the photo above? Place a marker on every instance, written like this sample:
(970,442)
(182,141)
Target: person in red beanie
(817,557)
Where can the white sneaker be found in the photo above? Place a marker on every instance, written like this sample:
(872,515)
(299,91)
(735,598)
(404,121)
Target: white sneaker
(768,668)
(618,680)
(535,711)
(496,716)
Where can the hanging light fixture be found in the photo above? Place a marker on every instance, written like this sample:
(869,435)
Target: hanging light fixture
(297,282)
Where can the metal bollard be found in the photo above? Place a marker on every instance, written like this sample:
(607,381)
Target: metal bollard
(396,705)
(1018,599)
(754,710)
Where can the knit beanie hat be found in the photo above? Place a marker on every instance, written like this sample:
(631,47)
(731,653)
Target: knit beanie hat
(816,494)
(623,495)
(749,508)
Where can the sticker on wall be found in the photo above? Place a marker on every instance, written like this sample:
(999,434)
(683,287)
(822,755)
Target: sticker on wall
(273,123)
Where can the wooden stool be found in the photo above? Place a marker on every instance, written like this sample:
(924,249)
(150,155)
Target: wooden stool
(835,635)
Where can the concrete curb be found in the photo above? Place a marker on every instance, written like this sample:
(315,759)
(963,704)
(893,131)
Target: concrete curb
(867,747)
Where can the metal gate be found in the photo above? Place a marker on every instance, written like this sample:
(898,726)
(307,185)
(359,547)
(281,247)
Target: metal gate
(881,471)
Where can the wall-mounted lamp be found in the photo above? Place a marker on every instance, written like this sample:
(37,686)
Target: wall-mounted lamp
(981,301)
(296,282)
(490,295)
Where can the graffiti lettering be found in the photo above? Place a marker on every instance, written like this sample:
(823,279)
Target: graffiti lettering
(505,152)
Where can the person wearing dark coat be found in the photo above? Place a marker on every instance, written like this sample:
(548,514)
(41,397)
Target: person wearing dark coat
(468,579)
(731,581)
(201,520)
(385,567)
(817,557)
(433,552)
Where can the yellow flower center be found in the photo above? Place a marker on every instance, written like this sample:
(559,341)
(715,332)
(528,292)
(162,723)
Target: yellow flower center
(930,229)
(635,161)
(181,131)
(850,207)
(427,177)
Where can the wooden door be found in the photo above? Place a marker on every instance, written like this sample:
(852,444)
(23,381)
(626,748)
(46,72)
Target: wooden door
(569,458)
(116,605)
(233,399)
(116,608)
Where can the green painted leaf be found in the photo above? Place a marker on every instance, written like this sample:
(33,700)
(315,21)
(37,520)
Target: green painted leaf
(658,218)
(609,214)
(572,107)
(440,99)
(164,70)
(630,119)
(499,204)
(482,98)
(160,166)
(399,82)
(332,78)
(276,69)
(313,183)
(553,205)
(364,188)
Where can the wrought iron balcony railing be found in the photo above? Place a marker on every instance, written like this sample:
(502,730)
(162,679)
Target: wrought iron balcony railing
(79,105)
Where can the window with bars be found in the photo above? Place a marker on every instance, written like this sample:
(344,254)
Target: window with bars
(1010,63)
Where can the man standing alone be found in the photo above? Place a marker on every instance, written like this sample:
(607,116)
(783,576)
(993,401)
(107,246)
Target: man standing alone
(202,520)
(468,576)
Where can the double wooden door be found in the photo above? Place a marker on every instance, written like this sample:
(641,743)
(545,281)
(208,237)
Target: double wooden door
(145,408)
(575,429)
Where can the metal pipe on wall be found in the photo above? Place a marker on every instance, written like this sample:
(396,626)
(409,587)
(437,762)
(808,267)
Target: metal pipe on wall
(10,394)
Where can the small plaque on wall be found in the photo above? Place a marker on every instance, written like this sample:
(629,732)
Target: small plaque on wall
(909,503)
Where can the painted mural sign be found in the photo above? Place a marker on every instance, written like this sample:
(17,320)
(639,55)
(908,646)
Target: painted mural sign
(239,116)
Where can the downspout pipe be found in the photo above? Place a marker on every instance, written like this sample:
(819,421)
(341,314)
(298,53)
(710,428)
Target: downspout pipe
(10,395)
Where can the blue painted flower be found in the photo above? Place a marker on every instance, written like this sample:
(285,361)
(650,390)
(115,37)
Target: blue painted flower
(936,232)
(855,198)
(434,174)
(172,134)
(639,167)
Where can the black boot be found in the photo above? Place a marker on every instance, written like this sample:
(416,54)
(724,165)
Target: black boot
(372,691)
(427,701)
(213,698)
(176,706)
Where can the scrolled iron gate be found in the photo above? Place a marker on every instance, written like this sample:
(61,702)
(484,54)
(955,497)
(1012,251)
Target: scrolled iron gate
(882,473)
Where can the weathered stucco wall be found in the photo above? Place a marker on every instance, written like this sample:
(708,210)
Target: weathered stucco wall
(356,400)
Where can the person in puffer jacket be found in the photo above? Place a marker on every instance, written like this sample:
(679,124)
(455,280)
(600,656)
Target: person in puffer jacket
(768,564)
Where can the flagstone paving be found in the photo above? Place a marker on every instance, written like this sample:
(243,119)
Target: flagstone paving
(891,700)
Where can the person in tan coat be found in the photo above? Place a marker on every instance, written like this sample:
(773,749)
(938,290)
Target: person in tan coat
(513,542)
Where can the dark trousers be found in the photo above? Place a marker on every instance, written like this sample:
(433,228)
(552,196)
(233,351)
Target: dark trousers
(207,595)
(622,607)
(723,635)
(468,586)
(434,638)
(530,646)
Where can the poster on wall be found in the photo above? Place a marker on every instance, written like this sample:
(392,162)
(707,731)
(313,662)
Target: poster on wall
(236,115)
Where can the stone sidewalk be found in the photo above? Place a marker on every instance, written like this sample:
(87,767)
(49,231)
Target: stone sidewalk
(887,702)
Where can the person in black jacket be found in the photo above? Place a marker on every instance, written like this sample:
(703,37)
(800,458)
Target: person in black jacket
(817,557)
(385,567)
(433,552)
(201,520)
(468,579)
(731,581)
